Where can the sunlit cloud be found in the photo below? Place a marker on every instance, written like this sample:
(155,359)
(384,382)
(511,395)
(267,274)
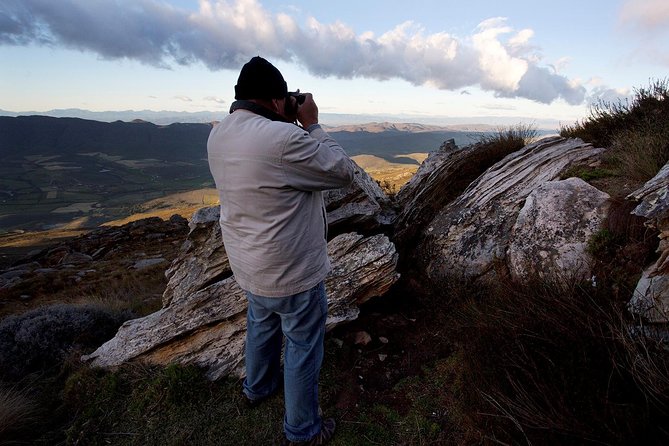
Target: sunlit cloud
(223,34)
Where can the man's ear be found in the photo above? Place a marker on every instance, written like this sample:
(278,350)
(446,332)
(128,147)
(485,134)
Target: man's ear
(275,105)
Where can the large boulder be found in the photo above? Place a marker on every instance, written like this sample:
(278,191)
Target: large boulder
(651,296)
(550,237)
(208,327)
(470,237)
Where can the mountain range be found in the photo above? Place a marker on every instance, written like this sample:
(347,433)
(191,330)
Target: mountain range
(331,119)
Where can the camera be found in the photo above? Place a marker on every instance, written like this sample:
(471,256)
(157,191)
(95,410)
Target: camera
(292,106)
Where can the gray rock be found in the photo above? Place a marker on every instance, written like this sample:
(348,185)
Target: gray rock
(76,258)
(551,233)
(651,296)
(470,236)
(362,206)
(146,263)
(202,259)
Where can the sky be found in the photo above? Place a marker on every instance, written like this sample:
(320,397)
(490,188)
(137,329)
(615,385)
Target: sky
(421,59)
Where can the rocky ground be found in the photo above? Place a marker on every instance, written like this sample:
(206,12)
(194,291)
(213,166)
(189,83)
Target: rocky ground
(105,263)
(393,339)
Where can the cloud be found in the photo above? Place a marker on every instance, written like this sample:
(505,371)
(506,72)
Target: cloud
(603,94)
(183,98)
(215,99)
(223,34)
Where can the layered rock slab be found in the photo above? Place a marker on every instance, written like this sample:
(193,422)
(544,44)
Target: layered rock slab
(360,207)
(470,237)
(207,328)
(651,295)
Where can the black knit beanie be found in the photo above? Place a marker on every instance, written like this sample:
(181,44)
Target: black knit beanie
(259,79)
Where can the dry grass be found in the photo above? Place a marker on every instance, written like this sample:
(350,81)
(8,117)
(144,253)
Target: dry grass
(558,364)
(391,176)
(510,138)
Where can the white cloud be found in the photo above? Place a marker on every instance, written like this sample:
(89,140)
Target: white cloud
(223,34)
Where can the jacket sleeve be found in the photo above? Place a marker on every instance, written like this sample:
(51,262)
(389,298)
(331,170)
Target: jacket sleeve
(314,161)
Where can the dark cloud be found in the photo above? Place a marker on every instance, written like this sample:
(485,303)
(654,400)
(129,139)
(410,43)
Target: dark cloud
(542,85)
(225,34)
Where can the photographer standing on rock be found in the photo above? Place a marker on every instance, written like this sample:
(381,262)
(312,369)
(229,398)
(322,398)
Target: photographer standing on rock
(269,173)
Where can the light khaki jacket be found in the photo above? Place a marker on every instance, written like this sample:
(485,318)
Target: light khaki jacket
(269,175)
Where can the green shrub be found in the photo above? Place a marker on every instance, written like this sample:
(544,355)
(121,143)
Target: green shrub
(588,173)
(648,107)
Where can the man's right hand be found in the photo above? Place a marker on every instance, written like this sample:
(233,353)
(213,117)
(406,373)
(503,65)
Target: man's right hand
(307,113)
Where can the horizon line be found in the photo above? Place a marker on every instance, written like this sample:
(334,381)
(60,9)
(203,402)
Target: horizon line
(357,118)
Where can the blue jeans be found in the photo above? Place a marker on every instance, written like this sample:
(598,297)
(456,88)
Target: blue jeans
(301,319)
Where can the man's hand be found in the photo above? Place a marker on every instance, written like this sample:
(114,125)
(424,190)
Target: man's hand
(307,113)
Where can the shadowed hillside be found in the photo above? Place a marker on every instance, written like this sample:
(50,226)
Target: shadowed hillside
(82,173)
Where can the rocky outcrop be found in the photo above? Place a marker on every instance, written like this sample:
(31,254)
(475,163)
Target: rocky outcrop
(203,319)
(470,237)
(140,244)
(207,327)
(651,296)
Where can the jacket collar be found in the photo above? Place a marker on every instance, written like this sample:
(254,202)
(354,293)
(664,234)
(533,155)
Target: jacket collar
(257,109)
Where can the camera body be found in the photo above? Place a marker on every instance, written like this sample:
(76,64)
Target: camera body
(292,106)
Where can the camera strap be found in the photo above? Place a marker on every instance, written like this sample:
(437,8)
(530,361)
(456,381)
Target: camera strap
(257,109)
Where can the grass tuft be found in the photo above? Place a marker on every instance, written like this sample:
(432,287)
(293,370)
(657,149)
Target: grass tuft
(509,139)
(18,414)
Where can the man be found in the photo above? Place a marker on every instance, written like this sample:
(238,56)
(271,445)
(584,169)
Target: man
(270,173)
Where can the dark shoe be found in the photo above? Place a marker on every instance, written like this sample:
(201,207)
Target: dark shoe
(321,438)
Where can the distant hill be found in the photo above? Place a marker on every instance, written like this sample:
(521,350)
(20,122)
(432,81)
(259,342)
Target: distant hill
(44,135)
(57,171)
(332,119)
